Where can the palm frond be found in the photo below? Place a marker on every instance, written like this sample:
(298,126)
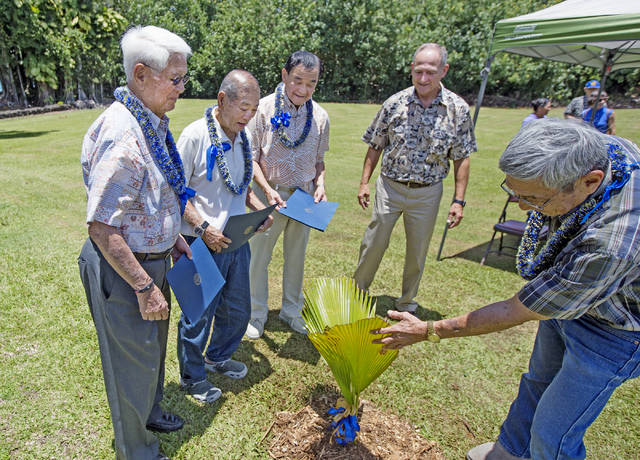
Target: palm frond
(339,317)
(329,302)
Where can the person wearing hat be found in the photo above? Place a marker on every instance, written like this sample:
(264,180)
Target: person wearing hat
(580,103)
(604,119)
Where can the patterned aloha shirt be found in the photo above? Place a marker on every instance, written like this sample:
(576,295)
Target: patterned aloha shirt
(598,272)
(418,142)
(283,165)
(576,106)
(125,188)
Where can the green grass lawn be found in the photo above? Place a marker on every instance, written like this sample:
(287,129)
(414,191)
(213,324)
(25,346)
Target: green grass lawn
(52,399)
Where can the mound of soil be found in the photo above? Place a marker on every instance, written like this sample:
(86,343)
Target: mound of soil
(306,435)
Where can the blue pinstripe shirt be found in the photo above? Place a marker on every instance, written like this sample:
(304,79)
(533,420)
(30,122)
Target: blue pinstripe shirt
(598,272)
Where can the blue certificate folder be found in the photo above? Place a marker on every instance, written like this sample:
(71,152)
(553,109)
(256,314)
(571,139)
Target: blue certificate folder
(243,226)
(300,207)
(195,282)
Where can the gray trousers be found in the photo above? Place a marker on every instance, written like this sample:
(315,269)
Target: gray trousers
(132,350)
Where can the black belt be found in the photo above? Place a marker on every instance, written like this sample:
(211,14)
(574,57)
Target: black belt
(284,188)
(144,256)
(410,184)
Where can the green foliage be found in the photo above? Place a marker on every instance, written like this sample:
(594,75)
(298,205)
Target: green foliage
(456,393)
(366,45)
(339,317)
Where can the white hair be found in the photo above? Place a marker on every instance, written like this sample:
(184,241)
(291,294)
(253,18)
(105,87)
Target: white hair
(558,152)
(152,46)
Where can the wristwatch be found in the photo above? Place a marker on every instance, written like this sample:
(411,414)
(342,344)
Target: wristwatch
(431,333)
(199,229)
(460,202)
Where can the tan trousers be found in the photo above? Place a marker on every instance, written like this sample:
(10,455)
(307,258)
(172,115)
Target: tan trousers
(294,245)
(419,209)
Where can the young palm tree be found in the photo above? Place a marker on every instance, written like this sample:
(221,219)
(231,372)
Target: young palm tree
(339,317)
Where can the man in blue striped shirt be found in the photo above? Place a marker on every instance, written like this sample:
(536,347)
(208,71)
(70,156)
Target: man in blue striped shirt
(583,287)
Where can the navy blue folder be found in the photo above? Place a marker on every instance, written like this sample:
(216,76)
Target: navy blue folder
(243,226)
(300,207)
(195,282)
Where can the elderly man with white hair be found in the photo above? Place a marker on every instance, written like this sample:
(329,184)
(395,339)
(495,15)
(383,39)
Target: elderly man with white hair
(136,194)
(583,287)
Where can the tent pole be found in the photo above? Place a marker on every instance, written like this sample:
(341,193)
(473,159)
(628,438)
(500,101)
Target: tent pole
(485,76)
(606,70)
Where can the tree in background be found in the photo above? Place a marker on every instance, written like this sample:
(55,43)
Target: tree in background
(60,50)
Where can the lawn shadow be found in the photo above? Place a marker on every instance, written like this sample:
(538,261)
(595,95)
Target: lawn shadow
(386,302)
(297,346)
(197,417)
(503,261)
(258,369)
(23,134)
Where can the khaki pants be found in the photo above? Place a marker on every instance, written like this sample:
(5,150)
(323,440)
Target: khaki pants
(419,209)
(294,245)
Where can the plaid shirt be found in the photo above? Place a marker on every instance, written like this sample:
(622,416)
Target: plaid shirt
(417,141)
(598,272)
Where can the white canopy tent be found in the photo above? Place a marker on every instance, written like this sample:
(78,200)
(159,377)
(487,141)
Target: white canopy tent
(593,33)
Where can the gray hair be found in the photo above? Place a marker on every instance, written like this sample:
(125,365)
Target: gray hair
(152,46)
(239,82)
(440,48)
(558,152)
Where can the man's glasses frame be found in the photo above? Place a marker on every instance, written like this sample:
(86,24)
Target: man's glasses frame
(537,207)
(176,81)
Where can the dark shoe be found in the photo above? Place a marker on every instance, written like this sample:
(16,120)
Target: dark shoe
(230,368)
(202,391)
(162,456)
(166,423)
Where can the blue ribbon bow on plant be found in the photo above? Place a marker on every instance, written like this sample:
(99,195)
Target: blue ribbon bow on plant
(345,428)
(212,152)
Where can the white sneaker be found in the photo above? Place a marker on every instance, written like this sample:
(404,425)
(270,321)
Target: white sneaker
(255,329)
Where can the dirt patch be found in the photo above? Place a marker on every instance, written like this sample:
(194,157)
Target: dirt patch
(306,435)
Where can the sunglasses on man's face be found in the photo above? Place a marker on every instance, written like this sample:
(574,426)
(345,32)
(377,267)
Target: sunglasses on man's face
(176,81)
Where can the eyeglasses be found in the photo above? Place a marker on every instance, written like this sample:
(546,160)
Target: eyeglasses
(537,207)
(176,81)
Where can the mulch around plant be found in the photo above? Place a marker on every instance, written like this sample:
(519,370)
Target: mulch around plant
(305,435)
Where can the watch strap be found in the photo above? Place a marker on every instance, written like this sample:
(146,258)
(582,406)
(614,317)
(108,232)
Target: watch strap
(460,202)
(146,288)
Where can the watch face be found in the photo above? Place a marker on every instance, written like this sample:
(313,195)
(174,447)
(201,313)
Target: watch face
(198,231)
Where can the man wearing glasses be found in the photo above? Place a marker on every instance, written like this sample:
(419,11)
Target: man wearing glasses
(136,193)
(583,287)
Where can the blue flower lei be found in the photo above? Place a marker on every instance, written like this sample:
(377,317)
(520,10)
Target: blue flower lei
(217,149)
(169,163)
(529,264)
(280,120)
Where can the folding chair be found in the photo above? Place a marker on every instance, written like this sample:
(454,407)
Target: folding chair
(510,227)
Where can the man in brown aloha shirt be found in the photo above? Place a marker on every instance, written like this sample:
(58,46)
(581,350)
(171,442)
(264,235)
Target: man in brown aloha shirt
(417,131)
